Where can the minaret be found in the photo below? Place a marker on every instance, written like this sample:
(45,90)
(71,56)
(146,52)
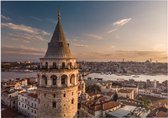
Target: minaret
(58,79)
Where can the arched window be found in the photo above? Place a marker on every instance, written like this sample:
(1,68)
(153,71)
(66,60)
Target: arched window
(64,79)
(70,64)
(44,79)
(72,79)
(46,64)
(63,65)
(54,65)
(54,79)
(54,104)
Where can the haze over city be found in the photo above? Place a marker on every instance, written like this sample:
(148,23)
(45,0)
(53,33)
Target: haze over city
(96,31)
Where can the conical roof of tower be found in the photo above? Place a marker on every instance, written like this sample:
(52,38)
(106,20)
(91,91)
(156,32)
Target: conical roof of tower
(58,47)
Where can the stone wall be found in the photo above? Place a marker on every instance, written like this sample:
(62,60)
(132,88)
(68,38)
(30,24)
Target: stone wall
(63,98)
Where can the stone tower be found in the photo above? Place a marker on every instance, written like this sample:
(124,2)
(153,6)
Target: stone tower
(58,79)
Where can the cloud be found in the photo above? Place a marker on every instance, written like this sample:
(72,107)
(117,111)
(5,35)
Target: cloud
(79,45)
(21,50)
(94,36)
(23,32)
(122,22)
(23,28)
(5,17)
(113,30)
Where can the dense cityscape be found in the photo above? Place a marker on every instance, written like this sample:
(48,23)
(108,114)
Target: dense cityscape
(147,67)
(142,98)
(59,86)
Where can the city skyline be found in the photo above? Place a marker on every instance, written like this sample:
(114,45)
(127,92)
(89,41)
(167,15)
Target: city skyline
(96,31)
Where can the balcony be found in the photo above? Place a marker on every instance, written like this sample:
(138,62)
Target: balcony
(51,69)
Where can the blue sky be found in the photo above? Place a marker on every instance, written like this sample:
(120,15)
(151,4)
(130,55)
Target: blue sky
(97,31)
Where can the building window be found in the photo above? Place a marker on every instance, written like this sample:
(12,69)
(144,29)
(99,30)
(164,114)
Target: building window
(54,79)
(54,95)
(63,65)
(44,78)
(19,103)
(64,95)
(28,108)
(70,65)
(63,79)
(46,65)
(54,65)
(54,104)
(72,93)
(72,79)
(44,94)
(35,111)
(72,101)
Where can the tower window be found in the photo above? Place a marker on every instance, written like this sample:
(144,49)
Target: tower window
(44,79)
(64,95)
(72,79)
(44,94)
(72,101)
(46,65)
(54,79)
(63,65)
(64,79)
(70,65)
(54,65)
(54,104)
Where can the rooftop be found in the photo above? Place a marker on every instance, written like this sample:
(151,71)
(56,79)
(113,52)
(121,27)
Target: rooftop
(100,103)
(58,47)
(125,91)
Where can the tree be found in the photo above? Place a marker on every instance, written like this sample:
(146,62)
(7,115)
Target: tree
(93,89)
(115,96)
(144,102)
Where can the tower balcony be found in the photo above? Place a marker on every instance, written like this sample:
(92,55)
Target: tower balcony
(44,69)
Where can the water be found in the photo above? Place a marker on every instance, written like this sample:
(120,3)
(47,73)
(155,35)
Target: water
(14,75)
(105,77)
(160,78)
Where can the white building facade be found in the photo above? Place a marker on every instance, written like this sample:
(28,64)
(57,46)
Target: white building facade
(28,104)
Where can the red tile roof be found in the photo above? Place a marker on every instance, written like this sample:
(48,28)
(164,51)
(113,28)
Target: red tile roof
(110,105)
(100,103)
(33,95)
(125,90)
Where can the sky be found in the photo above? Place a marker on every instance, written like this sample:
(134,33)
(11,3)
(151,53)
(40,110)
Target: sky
(96,31)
